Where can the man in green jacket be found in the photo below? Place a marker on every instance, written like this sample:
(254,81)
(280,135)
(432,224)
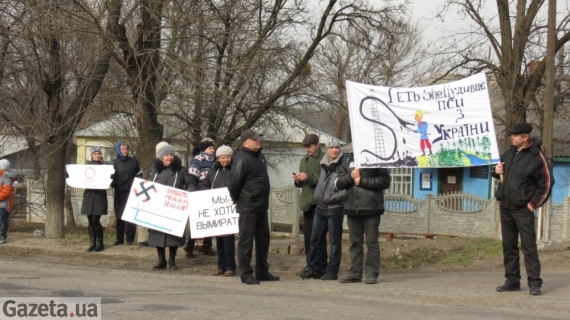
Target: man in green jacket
(307,179)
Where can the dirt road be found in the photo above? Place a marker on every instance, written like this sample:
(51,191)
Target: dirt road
(122,276)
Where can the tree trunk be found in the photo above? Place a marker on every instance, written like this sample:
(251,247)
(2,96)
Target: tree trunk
(67,200)
(69,209)
(55,186)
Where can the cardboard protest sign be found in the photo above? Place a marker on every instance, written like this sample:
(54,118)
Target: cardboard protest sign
(157,207)
(445,125)
(87,176)
(212,213)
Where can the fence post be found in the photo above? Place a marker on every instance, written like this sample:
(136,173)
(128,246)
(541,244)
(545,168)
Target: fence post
(295,228)
(429,200)
(270,218)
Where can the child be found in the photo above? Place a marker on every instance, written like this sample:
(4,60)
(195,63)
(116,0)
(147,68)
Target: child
(6,196)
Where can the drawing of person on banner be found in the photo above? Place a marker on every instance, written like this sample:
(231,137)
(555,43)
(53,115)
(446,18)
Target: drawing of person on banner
(422,128)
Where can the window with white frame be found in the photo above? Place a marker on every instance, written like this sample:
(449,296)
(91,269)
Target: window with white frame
(401,181)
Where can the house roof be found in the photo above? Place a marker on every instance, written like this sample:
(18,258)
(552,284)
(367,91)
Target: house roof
(275,127)
(119,125)
(12,144)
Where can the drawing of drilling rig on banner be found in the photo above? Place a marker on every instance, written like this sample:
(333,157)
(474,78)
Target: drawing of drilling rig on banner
(381,140)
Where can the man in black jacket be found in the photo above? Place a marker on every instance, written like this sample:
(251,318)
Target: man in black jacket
(526,182)
(363,206)
(249,190)
(126,169)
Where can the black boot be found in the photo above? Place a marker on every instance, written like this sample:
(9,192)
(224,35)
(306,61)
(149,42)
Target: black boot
(98,238)
(161,258)
(91,238)
(172,258)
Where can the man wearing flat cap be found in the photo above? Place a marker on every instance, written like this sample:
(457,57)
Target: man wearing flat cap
(249,189)
(307,179)
(526,183)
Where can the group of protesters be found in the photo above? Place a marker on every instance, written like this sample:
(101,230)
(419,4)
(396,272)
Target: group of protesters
(210,168)
(331,187)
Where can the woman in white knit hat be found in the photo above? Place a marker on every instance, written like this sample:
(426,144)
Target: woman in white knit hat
(142,232)
(219,177)
(167,170)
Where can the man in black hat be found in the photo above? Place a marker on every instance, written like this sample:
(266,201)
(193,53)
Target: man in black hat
(526,182)
(249,190)
(306,179)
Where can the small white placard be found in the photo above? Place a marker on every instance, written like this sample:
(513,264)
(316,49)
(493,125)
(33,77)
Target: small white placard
(87,176)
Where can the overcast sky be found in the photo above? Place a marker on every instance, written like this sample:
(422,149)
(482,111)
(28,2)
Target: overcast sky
(424,12)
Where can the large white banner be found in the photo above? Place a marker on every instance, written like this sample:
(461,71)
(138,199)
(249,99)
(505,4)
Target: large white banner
(213,213)
(87,176)
(447,125)
(158,207)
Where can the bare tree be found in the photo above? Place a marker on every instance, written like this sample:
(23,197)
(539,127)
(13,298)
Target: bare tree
(510,45)
(382,55)
(218,67)
(53,68)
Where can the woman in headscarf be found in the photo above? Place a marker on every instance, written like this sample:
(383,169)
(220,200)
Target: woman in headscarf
(219,177)
(167,170)
(94,206)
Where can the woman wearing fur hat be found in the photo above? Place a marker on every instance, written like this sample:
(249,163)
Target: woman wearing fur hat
(94,206)
(219,177)
(199,168)
(167,170)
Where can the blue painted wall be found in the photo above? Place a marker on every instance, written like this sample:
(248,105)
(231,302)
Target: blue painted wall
(481,187)
(477,187)
(561,172)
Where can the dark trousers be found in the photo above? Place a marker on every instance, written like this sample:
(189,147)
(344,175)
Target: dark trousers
(358,227)
(326,220)
(4,223)
(253,226)
(226,247)
(119,206)
(308,218)
(513,223)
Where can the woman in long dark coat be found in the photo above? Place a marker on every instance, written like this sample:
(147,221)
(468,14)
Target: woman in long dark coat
(167,170)
(94,206)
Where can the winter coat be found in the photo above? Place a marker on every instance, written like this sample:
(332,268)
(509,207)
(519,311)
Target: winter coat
(368,197)
(94,200)
(526,179)
(249,182)
(6,192)
(310,164)
(218,177)
(125,172)
(176,176)
(326,186)
(199,168)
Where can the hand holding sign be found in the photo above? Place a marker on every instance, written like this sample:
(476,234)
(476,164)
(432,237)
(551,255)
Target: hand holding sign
(212,214)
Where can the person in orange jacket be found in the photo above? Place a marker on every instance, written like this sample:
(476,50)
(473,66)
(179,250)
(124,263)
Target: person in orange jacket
(6,196)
